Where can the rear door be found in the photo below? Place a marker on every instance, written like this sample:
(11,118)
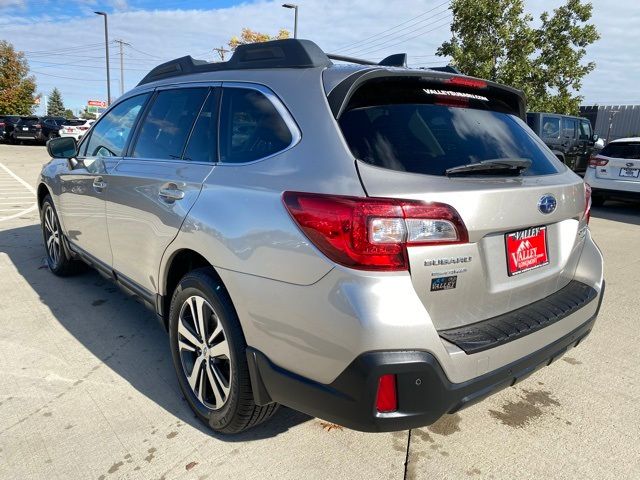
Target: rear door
(523,228)
(153,188)
(623,162)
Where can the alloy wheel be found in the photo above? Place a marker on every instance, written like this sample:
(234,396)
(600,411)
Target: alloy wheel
(204,352)
(52,235)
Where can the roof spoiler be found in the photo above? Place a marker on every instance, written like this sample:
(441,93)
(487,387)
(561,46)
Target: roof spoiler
(395,60)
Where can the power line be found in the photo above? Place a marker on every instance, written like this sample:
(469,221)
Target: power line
(384,47)
(407,36)
(69,78)
(143,53)
(347,46)
(380,37)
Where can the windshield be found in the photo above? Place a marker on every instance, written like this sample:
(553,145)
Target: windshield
(430,138)
(622,150)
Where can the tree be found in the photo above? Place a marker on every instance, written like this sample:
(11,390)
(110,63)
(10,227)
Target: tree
(55,105)
(87,115)
(68,113)
(16,85)
(495,39)
(249,36)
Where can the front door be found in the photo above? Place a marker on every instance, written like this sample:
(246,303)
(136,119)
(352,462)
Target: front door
(153,188)
(82,200)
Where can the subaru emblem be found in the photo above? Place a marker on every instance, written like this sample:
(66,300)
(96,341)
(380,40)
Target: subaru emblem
(547,204)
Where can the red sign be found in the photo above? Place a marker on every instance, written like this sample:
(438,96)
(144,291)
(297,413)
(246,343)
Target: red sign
(97,103)
(526,250)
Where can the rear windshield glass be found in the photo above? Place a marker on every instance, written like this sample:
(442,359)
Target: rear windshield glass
(622,150)
(29,120)
(74,123)
(426,130)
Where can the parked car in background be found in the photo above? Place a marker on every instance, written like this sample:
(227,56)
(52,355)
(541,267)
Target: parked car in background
(614,173)
(37,129)
(371,244)
(571,139)
(7,124)
(75,127)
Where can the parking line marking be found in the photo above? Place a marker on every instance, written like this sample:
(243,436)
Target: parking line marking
(25,185)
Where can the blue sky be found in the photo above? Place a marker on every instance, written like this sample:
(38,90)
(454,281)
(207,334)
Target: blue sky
(63,39)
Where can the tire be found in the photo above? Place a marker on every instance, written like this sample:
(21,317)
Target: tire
(58,259)
(598,200)
(218,364)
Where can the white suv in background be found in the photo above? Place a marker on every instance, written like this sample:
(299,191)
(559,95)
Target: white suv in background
(75,128)
(614,173)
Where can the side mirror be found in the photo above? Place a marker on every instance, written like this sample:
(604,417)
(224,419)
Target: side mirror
(62,147)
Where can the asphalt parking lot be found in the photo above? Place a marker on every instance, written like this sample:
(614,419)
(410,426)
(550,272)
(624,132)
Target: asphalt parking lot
(87,389)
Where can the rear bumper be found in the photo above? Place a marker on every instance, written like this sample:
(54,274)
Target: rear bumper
(613,187)
(424,391)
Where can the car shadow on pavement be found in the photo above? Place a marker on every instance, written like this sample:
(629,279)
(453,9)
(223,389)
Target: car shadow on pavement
(618,212)
(119,332)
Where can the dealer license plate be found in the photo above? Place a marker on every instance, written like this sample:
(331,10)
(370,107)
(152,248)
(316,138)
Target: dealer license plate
(526,250)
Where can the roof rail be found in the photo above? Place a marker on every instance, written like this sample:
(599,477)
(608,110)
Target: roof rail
(289,53)
(395,60)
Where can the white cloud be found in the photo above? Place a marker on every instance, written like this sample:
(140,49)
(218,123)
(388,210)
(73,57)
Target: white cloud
(334,26)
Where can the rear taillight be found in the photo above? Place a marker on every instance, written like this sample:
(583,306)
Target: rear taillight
(587,203)
(387,396)
(83,128)
(37,125)
(373,233)
(596,161)
(1,124)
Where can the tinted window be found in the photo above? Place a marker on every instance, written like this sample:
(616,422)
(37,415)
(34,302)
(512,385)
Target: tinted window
(166,127)
(203,142)
(550,127)
(531,121)
(112,131)
(622,150)
(250,127)
(74,123)
(570,125)
(438,133)
(28,121)
(585,129)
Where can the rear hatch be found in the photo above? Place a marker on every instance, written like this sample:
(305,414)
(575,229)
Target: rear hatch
(522,209)
(28,127)
(74,127)
(622,161)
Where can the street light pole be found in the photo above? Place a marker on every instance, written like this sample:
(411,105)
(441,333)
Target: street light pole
(295,18)
(106,47)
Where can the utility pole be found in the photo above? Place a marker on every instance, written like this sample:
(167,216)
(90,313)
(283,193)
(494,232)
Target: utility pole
(221,51)
(121,44)
(106,47)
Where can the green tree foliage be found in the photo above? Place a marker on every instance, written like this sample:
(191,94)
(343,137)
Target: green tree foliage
(68,113)
(87,115)
(17,87)
(55,105)
(495,39)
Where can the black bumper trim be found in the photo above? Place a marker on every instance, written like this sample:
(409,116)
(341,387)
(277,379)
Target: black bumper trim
(518,323)
(424,391)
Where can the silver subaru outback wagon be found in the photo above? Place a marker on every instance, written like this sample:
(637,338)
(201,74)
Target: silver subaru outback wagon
(367,243)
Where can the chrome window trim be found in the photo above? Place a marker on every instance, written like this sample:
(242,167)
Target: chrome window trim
(296,134)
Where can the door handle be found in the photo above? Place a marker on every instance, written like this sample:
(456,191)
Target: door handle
(171,193)
(99,184)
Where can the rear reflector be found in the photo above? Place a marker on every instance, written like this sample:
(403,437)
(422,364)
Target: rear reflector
(387,396)
(587,203)
(373,233)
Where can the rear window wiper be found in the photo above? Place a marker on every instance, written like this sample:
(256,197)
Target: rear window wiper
(492,167)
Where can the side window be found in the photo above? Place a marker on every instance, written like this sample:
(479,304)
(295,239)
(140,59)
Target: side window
(110,134)
(166,127)
(585,130)
(550,127)
(203,142)
(569,126)
(250,127)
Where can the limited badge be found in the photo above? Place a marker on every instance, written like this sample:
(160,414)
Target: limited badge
(443,283)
